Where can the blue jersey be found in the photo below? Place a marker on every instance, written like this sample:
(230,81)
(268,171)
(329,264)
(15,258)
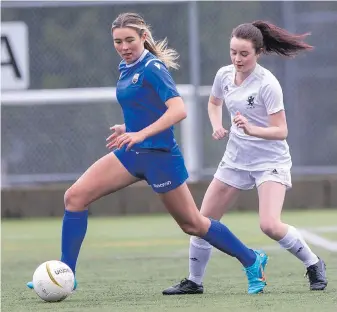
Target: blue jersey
(142,90)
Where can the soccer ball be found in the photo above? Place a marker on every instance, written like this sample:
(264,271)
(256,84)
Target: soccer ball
(53,281)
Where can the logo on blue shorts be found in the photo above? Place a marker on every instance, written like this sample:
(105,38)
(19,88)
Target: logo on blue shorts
(167,183)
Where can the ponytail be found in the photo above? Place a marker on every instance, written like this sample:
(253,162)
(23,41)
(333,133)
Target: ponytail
(278,40)
(159,48)
(269,38)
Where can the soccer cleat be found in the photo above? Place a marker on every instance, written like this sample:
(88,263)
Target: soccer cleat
(317,275)
(31,286)
(185,287)
(255,273)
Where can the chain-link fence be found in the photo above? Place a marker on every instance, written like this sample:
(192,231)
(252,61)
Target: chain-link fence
(71,46)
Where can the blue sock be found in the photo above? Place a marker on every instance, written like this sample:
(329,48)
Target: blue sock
(73,231)
(223,239)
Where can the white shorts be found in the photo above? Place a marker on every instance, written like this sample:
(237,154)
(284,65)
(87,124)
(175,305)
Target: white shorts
(246,180)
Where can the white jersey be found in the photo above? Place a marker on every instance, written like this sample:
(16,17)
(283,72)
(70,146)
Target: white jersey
(258,96)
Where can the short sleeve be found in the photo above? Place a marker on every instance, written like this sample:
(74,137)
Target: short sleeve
(272,97)
(159,78)
(217,88)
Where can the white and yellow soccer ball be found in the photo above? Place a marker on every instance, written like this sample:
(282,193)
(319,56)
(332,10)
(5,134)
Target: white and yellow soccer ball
(53,281)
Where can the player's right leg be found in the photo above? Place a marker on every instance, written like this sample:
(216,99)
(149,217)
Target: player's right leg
(254,269)
(105,176)
(217,200)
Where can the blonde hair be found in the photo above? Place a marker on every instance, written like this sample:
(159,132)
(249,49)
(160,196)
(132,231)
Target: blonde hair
(159,48)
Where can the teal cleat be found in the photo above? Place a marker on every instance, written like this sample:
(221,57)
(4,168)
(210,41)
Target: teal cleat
(31,286)
(255,273)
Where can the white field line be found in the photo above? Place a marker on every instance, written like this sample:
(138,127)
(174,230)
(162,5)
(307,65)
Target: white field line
(324,229)
(311,238)
(319,241)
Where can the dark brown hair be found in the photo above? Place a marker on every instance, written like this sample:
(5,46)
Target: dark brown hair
(269,38)
(158,48)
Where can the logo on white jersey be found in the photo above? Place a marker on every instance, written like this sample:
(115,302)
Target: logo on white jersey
(222,164)
(250,101)
(157,65)
(226,89)
(135,78)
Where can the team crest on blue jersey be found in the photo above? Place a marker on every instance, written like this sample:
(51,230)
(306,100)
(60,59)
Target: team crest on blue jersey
(135,78)
(157,65)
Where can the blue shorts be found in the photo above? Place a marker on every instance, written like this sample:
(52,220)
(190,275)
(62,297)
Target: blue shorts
(163,170)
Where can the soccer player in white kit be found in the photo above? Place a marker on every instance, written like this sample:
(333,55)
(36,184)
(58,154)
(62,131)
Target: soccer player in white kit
(257,153)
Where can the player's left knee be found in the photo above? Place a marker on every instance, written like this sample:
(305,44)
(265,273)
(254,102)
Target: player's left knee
(270,226)
(73,200)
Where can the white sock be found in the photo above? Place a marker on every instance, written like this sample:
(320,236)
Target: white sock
(295,244)
(200,252)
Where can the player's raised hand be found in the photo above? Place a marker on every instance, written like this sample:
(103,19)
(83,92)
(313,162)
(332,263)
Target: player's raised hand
(219,133)
(241,122)
(117,131)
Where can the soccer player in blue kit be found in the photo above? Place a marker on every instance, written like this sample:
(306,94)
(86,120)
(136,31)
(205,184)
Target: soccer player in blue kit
(147,150)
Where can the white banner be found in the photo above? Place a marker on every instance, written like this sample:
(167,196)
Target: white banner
(14,56)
